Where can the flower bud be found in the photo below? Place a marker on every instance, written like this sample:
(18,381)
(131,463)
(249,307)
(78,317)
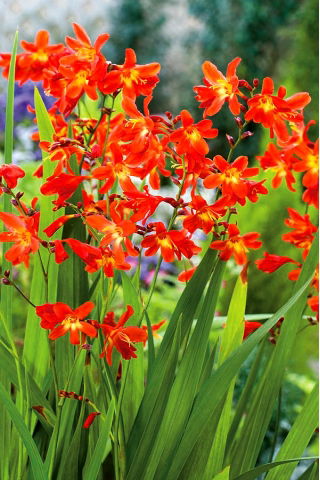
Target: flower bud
(238,122)
(6,273)
(247,134)
(230,140)
(19,195)
(5,281)
(256,82)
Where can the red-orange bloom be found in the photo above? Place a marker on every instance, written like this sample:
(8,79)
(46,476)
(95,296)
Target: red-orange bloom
(236,245)
(250,327)
(204,216)
(171,243)
(23,231)
(120,337)
(273,110)
(190,137)
(281,163)
(99,257)
(219,89)
(11,174)
(81,45)
(60,319)
(64,185)
(303,231)
(133,79)
(232,178)
(32,65)
(270,263)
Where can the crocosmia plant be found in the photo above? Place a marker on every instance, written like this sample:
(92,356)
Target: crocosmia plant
(100,387)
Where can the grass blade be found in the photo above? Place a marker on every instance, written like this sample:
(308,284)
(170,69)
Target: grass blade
(37,466)
(91,470)
(255,472)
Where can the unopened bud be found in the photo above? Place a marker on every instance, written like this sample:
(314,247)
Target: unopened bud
(256,82)
(19,195)
(6,190)
(230,140)
(116,93)
(247,134)
(14,202)
(169,115)
(44,244)
(238,122)
(5,281)
(6,273)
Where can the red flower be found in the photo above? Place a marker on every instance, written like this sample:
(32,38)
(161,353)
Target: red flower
(133,79)
(219,89)
(281,163)
(23,231)
(190,137)
(99,257)
(250,327)
(120,337)
(273,110)
(204,216)
(270,263)
(64,185)
(11,173)
(60,319)
(236,245)
(232,178)
(303,231)
(171,243)
(90,418)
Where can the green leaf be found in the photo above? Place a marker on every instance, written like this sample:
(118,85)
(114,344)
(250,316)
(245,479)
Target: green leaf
(91,469)
(184,311)
(298,436)
(312,473)
(213,390)
(36,352)
(224,475)
(184,388)
(260,410)
(255,472)
(231,339)
(160,389)
(6,293)
(37,466)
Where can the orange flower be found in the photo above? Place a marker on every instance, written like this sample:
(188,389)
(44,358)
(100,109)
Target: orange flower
(23,231)
(133,79)
(11,174)
(64,185)
(120,337)
(236,245)
(270,263)
(233,177)
(190,137)
(273,110)
(303,231)
(60,319)
(203,216)
(171,243)
(250,327)
(99,257)
(219,89)
(281,163)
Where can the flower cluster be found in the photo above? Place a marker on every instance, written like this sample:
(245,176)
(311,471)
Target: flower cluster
(118,159)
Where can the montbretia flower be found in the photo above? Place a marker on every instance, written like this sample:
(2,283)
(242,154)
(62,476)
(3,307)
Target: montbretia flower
(61,319)
(236,245)
(270,263)
(219,89)
(190,137)
(273,111)
(133,79)
(232,178)
(120,337)
(11,174)
(23,231)
(172,243)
